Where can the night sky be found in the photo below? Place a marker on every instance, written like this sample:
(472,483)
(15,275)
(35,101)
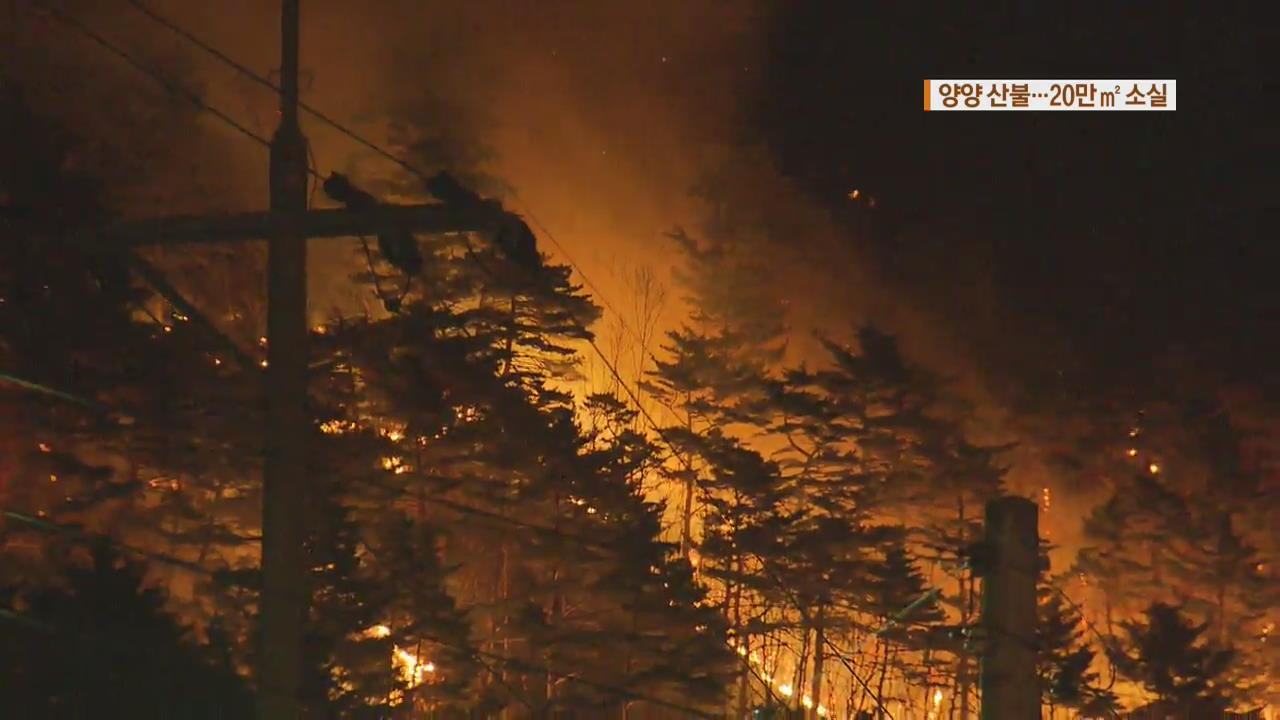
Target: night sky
(1117,237)
(1096,243)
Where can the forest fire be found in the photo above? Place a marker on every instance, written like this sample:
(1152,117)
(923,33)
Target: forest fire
(413,670)
(570,377)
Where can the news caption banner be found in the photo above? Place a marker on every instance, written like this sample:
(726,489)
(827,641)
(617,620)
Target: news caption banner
(1048,95)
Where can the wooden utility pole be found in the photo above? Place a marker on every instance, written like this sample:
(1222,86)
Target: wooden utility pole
(284,599)
(283,609)
(1010,685)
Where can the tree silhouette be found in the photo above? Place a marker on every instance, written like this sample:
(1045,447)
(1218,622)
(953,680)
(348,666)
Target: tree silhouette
(1166,655)
(1066,657)
(103,646)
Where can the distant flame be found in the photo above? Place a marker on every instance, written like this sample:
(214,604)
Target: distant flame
(412,669)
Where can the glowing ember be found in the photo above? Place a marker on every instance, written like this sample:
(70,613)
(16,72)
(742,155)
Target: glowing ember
(337,427)
(412,669)
(395,465)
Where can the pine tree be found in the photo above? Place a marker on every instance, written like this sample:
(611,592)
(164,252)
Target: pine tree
(1115,561)
(1167,655)
(747,535)
(350,666)
(717,362)
(119,463)
(897,584)
(434,651)
(100,643)
(460,387)
(1170,530)
(1066,658)
(870,444)
(1225,587)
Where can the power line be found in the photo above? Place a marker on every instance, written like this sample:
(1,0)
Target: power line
(156,75)
(46,390)
(528,667)
(1107,642)
(47,525)
(249,73)
(834,649)
(164,81)
(326,119)
(173,87)
(353,135)
(50,526)
(655,426)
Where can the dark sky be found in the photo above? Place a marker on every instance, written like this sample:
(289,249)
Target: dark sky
(1121,235)
(1102,240)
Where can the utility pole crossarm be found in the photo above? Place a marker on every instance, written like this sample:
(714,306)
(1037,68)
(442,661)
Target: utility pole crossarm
(427,218)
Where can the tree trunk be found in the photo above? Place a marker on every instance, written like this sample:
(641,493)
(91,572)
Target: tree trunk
(967,586)
(819,643)
(554,611)
(802,666)
(884,673)
(1222,614)
(686,521)
(865,691)
(744,680)
(511,338)
(506,645)
(635,626)
(744,687)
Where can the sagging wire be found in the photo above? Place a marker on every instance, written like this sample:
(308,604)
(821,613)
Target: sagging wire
(50,526)
(222,116)
(50,391)
(392,305)
(795,601)
(906,612)
(1106,642)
